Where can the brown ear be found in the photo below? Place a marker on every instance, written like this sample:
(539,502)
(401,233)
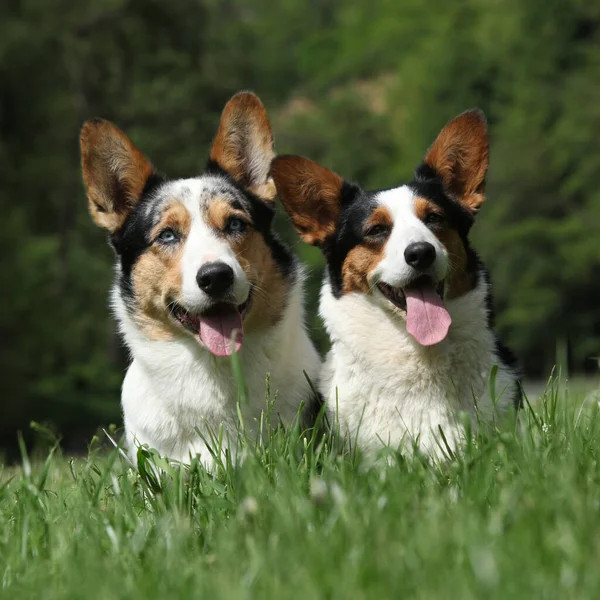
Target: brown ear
(459,156)
(311,194)
(114,173)
(243,145)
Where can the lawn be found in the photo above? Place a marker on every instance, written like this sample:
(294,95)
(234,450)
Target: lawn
(518,516)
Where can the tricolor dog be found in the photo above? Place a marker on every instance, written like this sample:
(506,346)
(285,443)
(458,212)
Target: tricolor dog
(405,299)
(200,275)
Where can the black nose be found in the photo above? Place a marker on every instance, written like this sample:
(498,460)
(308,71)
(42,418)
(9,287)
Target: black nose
(215,278)
(420,255)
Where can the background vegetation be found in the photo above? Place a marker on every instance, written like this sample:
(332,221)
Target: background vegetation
(361,86)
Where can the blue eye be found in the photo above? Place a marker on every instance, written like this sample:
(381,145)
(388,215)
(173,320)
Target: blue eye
(235,225)
(167,236)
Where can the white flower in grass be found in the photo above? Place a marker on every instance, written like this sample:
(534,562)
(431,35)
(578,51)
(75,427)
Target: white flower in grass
(321,492)
(484,566)
(249,507)
(318,490)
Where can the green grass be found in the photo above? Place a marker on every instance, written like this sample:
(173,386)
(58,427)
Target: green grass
(518,516)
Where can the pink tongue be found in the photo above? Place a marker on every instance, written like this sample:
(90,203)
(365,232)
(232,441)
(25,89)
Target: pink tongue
(427,319)
(217,329)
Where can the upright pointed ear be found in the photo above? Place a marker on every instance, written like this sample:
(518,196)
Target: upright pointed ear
(311,194)
(459,156)
(243,146)
(114,173)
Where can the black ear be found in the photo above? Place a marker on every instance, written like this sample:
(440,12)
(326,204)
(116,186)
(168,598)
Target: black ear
(459,156)
(243,145)
(114,173)
(311,194)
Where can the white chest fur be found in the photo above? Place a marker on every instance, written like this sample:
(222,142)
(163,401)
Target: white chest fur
(177,396)
(389,390)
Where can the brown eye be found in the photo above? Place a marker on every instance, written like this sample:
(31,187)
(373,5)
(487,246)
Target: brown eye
(434,219)
(377,231)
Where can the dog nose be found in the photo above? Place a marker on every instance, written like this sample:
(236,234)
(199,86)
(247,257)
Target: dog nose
(215,278)
(420,255)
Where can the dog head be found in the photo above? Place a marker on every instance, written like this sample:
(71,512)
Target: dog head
(196,256)
(405,247)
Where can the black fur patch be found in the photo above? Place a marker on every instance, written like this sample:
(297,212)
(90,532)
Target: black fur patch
(505,355)
(428,185)
(131,240)
(356,207)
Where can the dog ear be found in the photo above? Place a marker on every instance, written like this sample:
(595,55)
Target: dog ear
(459,156)
(114,173)
(243,146)
(311,194)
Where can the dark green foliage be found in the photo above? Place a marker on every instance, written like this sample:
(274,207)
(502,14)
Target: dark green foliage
(362,86)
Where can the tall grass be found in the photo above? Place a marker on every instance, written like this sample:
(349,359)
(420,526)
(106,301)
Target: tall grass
(517,515)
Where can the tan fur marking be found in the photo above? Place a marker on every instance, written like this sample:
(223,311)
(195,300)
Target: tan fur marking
(423,208)
(459,155)
(243,145)
(114,173)
(175,216)
(220,211)
(458,280)
(157,277)
(380,216)
(359,263)
(310,194)
(362,259)
(270,291)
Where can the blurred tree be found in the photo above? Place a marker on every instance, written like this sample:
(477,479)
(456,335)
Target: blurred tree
(362,87)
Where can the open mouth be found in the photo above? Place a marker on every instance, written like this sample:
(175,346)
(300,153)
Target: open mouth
(427,319)
(191,321)
(397,295)
(220,327)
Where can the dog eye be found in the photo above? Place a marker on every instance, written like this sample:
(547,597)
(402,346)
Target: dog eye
(235,225)
(167,236)
(376,231)
(434,218)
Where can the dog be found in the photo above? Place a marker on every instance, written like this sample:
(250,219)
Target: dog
(201,275)
(406,300)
